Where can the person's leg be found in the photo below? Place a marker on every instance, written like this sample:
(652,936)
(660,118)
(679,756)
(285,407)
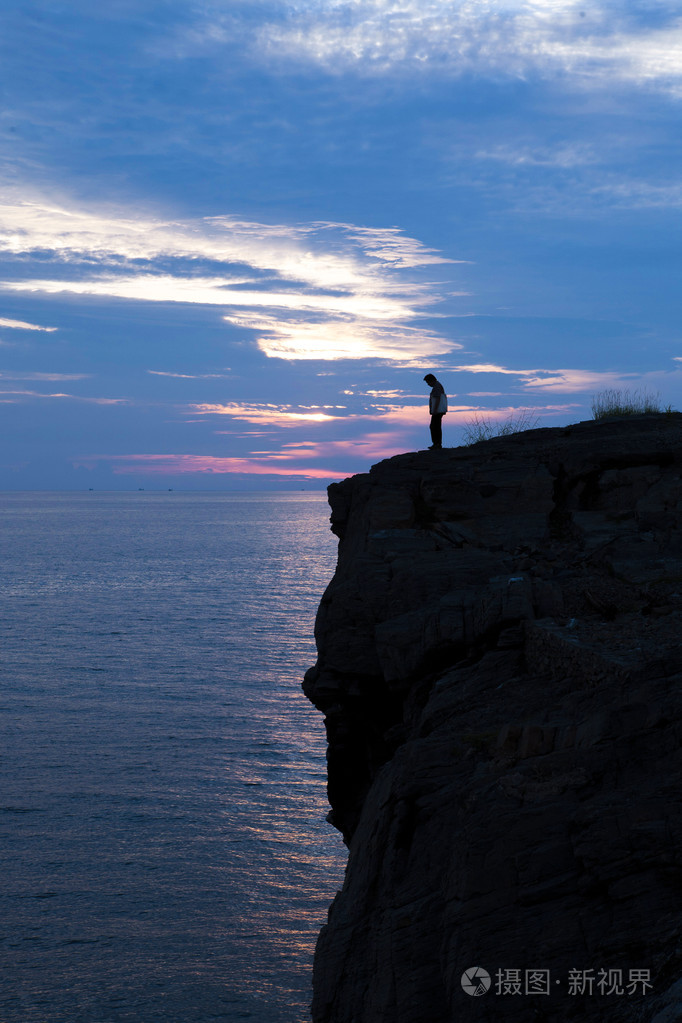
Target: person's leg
(436,428)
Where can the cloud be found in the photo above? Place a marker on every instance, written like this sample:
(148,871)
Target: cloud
(378,394)
(268,415)
(310,291)
(217,291)
(392,247)
(14,395)
(189,376)
(491,367)
(398,415)
(44,376)
(453,38)
(187,464)
(575,380)
(309,458)
(321,254)
(633,194)
(568,380)
(358,337)
(365,447)
(563,155)
(20,325)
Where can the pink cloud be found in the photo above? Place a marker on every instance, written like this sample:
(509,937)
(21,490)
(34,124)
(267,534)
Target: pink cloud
(413,415)
(181,465)
(367,447)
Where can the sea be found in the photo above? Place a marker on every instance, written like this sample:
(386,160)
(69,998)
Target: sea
(164,848)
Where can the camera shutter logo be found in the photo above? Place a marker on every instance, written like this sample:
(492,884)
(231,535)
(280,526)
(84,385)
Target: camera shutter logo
(475,981)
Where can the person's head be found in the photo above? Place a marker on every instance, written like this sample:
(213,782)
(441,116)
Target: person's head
(430,379)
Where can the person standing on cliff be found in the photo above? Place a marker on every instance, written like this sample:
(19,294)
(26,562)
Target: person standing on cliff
(438,406)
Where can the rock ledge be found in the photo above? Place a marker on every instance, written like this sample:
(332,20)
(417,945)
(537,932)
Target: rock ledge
(500,667)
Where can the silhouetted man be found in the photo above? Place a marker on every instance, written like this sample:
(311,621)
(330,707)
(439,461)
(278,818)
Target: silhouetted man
(438,406)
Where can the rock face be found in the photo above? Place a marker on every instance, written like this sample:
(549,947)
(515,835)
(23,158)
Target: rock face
(500,666)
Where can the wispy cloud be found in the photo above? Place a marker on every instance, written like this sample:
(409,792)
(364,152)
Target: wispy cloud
(377,393)
(210,465)
(454,38)
(571,381)
(15,396)
(634,194)
(20,325)
(567,380)
(219,291)
(562,155)
(320,290)
(369,447)
(44,376)
(491,367)
(397,415)
(189,376)
(266,415)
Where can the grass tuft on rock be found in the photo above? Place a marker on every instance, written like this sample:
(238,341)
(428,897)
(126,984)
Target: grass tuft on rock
(616,402)
(484,428)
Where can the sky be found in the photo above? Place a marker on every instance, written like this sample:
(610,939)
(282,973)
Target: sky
(236,234)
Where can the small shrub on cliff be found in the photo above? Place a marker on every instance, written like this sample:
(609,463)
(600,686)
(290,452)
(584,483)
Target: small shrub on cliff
(483,428)
(614,402)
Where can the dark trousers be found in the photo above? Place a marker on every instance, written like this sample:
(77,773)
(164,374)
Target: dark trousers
(436,428)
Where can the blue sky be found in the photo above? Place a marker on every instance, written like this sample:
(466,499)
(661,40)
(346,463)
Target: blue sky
(235,235)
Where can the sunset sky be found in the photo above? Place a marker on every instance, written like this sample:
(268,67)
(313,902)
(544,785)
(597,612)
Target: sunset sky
(235,234)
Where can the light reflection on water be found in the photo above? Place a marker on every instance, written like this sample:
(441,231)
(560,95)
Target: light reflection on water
(163,794)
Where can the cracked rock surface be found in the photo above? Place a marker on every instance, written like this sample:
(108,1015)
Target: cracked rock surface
(500,669)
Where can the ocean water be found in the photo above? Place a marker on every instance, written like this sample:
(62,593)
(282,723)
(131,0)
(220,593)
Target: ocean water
(164,848)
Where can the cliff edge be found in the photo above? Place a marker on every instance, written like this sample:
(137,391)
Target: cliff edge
(500,667)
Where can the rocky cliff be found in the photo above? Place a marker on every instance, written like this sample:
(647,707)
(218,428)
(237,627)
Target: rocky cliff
(500,666)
